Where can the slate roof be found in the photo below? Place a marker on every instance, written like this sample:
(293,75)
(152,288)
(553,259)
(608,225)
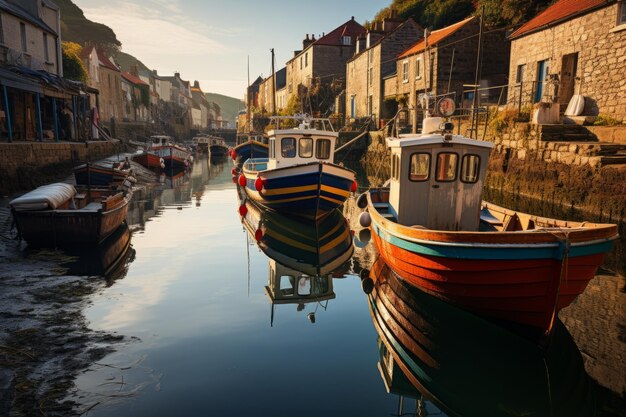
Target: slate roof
(132,79)
(558,12)
(25,15)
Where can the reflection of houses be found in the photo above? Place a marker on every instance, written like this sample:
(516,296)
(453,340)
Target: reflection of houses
(580,46)
(322,60)
(201,101)
(374,60)
(446,61)
(135,98)
(36,102)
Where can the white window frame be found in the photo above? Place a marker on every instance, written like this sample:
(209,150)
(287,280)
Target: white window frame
(346,40)
(405,71)
(419,67)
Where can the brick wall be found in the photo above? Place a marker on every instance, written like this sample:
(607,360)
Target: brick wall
(601,60)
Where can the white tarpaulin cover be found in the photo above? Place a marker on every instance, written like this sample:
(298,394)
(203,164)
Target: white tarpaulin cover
(45,197)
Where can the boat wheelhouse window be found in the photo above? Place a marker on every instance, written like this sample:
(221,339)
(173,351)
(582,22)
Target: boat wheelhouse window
(420,167)
(304,285)
(322,148)
(446,166)
(286,285)
(305,147)
(288,147)
(470,168)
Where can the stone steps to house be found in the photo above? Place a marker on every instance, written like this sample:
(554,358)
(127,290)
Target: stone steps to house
(588,148)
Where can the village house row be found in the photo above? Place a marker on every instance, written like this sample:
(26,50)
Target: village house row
(38,103)
(573,47)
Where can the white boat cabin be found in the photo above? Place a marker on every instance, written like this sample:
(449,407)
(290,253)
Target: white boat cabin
(289,286)
(251,137)
(437,180)
(312,140)
(160,140)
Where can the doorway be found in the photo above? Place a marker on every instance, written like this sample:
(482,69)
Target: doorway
(567,85)
(542,74)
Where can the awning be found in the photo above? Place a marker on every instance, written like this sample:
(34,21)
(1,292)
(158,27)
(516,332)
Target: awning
(13,80)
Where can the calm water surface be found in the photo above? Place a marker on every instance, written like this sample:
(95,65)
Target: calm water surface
(206,339)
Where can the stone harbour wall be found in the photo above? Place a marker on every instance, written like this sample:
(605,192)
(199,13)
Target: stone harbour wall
(26,165)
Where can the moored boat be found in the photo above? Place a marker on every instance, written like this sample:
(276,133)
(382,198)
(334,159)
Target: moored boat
(299,177)
(217,147)
(163,154)
(58,215)
(499,263)
(99,175)
(468,366)
(249,145)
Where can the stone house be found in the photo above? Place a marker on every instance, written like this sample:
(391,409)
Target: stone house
(322,60)
(30,35)
(572,47)
(106,77)
(445,60)
(375,59)
(135,98)
(266,91)
(200,99)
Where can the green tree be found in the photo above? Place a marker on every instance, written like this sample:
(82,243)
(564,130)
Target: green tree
(73,67)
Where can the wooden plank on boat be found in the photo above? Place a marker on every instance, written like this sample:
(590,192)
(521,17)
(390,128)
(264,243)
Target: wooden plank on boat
(487,217)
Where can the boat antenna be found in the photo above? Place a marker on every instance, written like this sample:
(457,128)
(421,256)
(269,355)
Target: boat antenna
(273,84)
(477,76)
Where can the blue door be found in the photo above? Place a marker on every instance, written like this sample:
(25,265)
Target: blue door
(352,104)
(542,73)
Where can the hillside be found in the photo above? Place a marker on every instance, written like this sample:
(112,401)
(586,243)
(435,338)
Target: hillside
(229,106)
(126,61)
(77,28)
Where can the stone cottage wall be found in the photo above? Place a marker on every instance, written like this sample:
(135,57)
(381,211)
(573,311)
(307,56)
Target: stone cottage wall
(601,48)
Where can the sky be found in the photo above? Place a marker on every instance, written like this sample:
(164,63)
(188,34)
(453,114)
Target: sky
(211,41)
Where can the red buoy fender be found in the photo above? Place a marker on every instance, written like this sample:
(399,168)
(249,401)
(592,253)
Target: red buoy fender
(242,180)
(259,183)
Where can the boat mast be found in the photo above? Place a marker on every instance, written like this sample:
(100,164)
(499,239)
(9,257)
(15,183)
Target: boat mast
(477,77)
(273,85)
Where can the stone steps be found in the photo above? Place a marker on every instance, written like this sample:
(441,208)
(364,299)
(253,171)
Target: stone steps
(613,160)
(588,148)
(562,133)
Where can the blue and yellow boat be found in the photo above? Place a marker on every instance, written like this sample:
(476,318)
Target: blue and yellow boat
(249,145)
(299,176)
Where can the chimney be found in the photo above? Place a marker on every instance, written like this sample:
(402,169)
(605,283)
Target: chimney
(196,84)
(390,24)
(177,75)
(307,41)
(134,70)
(360,44)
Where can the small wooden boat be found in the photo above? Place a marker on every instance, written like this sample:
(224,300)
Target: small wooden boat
(468,366)
(249,145)
(299,176)
(304,256)
(58,215)
(432,227)
(99,175)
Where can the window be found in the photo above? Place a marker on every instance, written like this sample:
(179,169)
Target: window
(405,72)
(306,59)
(322,149)
(23,36)
(520,73)
(1,30)
(621,17)
(305,148)
(46,52)
(446,166)
(370,75)
(470,168)
(346,40)
(418,68)
(395,167)
(420,167)
(288,147)
(300,62)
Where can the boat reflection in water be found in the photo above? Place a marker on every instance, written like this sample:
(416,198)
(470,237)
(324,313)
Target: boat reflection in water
(108,259)
(305,255)
(467,366)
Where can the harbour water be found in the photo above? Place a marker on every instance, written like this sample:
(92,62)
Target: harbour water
(200,324)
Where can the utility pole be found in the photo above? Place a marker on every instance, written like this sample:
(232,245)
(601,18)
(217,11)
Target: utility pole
(273,85)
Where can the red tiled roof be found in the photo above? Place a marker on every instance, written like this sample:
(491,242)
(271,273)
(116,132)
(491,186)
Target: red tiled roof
(563,9)
(105,61)
(132,79)
(435,37)
(351,28)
